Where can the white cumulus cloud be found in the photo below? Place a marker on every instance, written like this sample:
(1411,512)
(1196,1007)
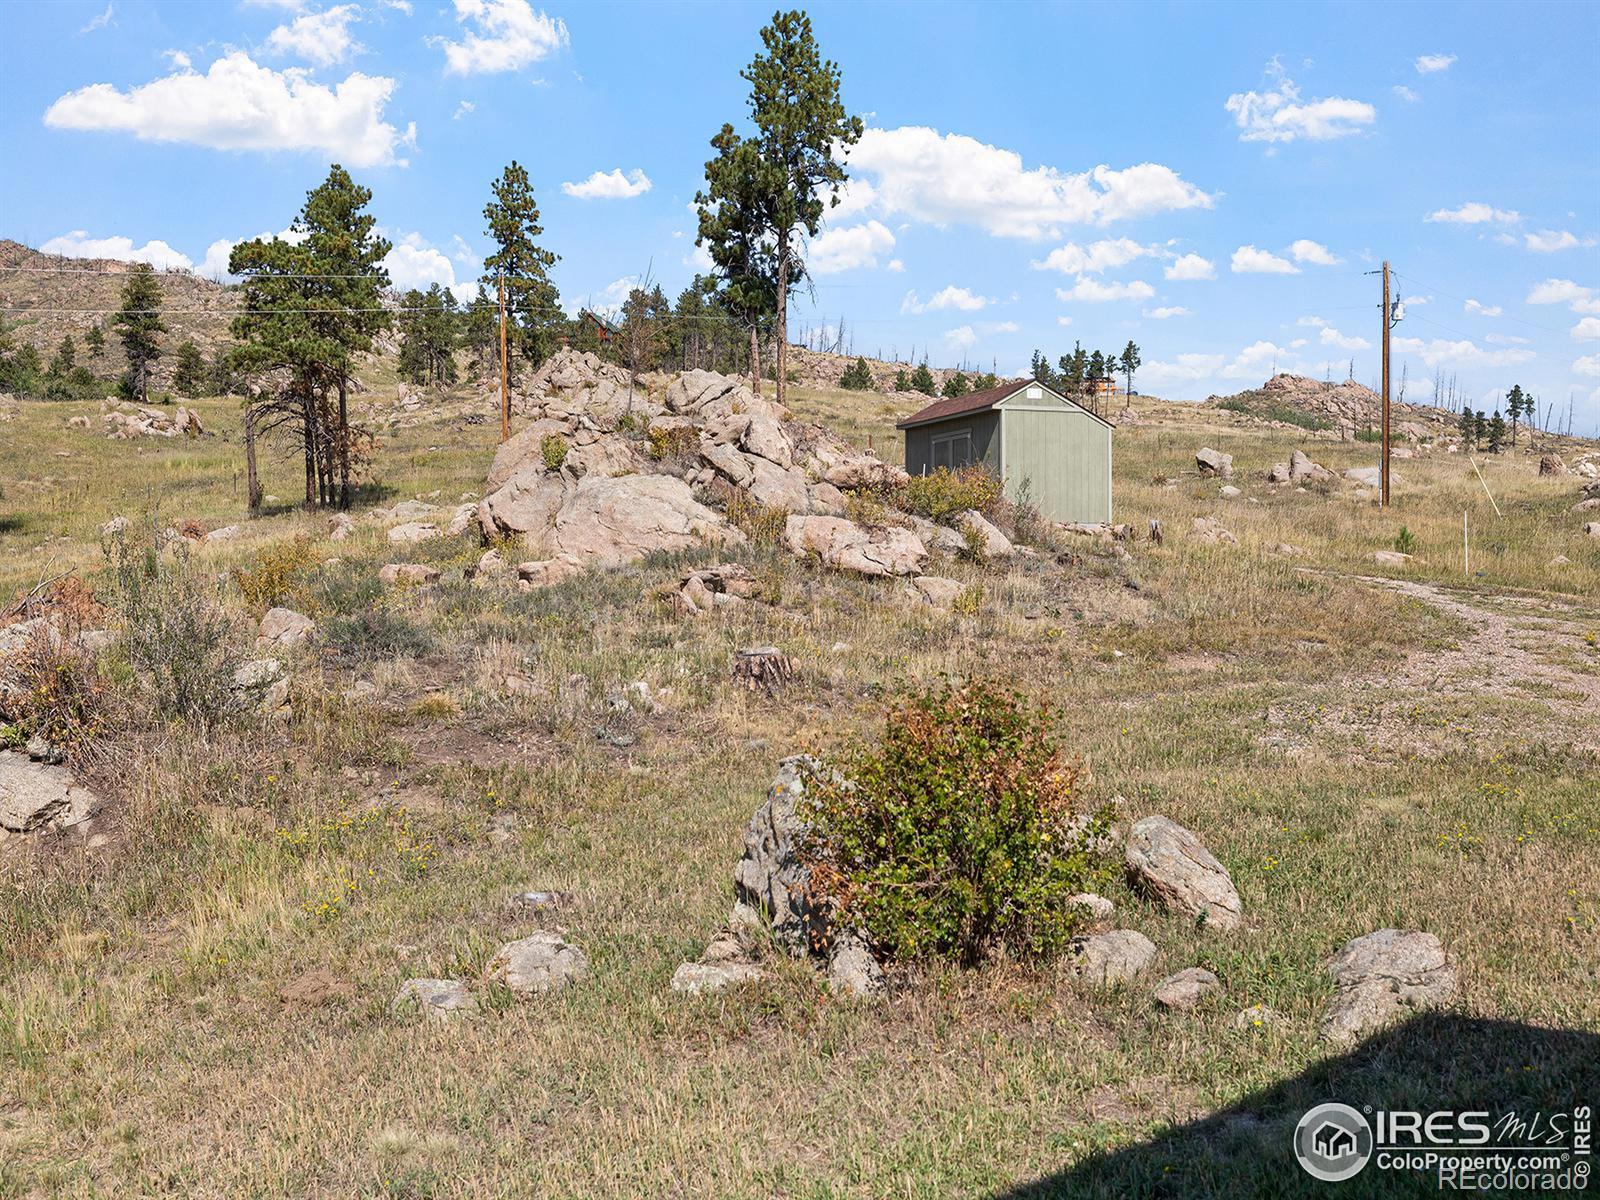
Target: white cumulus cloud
(835,250)
(1190,267)
(501,35)
(1166,312)
(78,244)
(946,298)
(1278,115)
(240,105)
(1248,260)
(414,263)
(1332,337)
(1095,292)
(960,338)
(1307,251)
(1575,296)
(322,37)
(1462,353)
(1073,259)
(610,185)
(1589,364)
(1548,241)
(1475,213)
(950,179)
(1428,64)
(1483,310)
(1587,330)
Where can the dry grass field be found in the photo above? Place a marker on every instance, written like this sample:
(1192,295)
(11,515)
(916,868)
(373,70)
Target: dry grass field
(198,1003)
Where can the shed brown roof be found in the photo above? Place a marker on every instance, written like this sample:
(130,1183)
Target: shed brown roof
(955,406)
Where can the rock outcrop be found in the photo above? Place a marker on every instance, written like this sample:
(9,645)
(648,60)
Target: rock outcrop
(847,546)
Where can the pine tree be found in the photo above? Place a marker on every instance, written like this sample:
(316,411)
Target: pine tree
(533,306)
(1497,432)
(190,377)
(1515,402)
(902,381)
(922,380)
(1480,428)
(800,123)
(65,358)
(857,376)
(95,340)
(957,385)
(985,381)
(1466,428)
(734,231)
(1129,362)
(139,325)
(1040,368)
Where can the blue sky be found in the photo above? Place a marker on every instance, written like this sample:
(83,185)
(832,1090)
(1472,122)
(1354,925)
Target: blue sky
(1212,181)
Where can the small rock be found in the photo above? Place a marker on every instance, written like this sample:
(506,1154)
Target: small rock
(1185,990)
(412,532)
(1204,529)
(1229,492)
(263,682)
(35,794)
(340,526)
(1171,864)
(408,573)
(541,962)
(285,629)
(1108,960)
(934,590)
(1390,558)
(694,978)
(437,999)
(1098,907)
(852,968)
(1380,976)
(1214,462)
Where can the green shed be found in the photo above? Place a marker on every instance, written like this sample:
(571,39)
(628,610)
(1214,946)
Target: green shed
(1055,453)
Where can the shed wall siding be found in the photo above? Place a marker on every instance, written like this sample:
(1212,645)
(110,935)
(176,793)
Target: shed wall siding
(1065,456)
(984,429)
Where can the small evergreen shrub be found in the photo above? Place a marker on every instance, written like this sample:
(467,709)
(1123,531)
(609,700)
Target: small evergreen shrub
(1405,541)
(857,377)
(676,441)
(759,522)
(958,833)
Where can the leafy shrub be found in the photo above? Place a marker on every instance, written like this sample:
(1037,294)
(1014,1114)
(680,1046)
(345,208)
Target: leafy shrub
(278,575)
(865,508)
(554,451)
(1369,434)
(673,441)
(942,494)
(176,636)
(957,834)
(857,377)
(969,601)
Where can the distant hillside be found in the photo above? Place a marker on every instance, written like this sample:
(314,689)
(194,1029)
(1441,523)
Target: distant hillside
(816,368)
(1346,407)
(48,283)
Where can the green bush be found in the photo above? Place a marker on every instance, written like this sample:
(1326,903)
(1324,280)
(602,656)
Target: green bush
(673,442)
(942,494)
(176,636)
(857,377)
(554,451)
(957,834)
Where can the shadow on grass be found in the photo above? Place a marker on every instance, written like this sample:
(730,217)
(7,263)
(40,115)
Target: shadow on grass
(1431,1063)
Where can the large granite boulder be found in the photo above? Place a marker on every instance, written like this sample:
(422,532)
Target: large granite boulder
(1172,865)
(1381,977)
(847,546)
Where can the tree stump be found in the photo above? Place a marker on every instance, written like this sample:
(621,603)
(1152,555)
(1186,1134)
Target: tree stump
(763,668)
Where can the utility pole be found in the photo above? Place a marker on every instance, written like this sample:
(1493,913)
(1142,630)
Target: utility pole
(1384,470)
(506,386)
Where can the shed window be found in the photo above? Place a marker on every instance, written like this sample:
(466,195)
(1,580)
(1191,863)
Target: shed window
(953,450)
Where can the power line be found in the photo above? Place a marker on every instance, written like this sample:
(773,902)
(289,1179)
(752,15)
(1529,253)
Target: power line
(1423,284)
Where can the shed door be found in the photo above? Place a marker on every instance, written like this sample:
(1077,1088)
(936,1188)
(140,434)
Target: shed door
(952,450)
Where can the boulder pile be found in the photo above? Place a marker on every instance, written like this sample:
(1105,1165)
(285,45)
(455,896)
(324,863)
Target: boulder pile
(610,470)
(130,421)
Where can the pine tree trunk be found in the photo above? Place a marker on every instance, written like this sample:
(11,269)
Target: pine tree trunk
(783,315)
(253,484)
(344,443)
(309,421)
(755,361)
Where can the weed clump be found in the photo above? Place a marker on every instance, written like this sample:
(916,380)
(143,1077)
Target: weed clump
(944,493)
(959,832)
(278,576)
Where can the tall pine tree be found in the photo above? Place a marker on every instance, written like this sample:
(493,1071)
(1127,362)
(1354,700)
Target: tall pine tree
(533,306)
(139,326)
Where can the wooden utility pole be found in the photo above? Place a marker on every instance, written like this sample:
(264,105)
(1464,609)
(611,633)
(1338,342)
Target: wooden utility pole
(1383,470)
(506,384)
